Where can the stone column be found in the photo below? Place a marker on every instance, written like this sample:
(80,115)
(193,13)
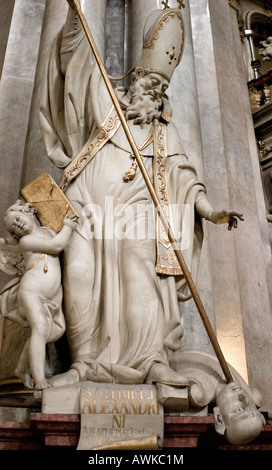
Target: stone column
(115,38)
(184,102)
(15,94)
(240,260)
(6,11)
(16,88)
(35,157)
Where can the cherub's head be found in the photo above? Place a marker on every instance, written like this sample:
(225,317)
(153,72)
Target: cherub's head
(20,219)
(236,415)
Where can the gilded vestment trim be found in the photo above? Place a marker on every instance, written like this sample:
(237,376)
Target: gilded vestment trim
(95,143)
(167,262)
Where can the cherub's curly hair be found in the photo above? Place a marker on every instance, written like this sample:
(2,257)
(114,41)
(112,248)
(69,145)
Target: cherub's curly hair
(19,206)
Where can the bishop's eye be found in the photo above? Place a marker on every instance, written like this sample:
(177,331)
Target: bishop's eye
(155,82)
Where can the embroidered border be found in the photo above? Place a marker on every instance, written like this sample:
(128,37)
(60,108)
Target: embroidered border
(90,149)
(167,262)
(149,44)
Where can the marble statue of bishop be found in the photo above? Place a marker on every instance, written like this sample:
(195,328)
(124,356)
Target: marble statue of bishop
(122,286)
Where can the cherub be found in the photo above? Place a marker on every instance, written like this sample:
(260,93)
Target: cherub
(34,296)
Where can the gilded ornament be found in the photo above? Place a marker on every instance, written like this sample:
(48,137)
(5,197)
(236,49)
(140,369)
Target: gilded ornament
(92,147)
(131,173)
(181,4)
(165,4)
(169,257)
(164,19)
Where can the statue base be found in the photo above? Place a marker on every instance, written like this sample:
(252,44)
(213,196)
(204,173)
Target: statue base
(66,399)
(112,416)
(60,400)
(126,416)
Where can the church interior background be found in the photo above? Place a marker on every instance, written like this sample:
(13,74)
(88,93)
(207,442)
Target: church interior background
(222,106)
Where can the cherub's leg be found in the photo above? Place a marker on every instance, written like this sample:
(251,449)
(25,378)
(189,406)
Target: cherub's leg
(38,322)
(22,369)
(37,351)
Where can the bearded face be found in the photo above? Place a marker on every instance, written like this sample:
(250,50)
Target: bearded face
(145,96)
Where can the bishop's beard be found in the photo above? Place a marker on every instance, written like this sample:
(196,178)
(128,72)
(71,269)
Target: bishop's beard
(144,107)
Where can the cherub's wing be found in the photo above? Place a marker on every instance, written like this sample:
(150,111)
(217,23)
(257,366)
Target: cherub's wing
(11,259)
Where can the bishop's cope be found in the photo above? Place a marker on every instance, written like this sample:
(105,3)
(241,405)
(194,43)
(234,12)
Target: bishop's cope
(122,290)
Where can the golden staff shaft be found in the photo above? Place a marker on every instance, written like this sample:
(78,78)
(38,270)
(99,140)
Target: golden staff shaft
(155,198)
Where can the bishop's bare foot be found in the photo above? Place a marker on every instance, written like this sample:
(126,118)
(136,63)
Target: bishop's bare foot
(67,378)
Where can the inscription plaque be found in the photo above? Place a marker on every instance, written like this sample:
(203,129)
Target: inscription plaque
(125,414)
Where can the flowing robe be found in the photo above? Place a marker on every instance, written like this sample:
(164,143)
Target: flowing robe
(121,316)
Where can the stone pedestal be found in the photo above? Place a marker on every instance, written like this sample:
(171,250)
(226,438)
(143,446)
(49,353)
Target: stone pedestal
(123,415)
(130,415)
